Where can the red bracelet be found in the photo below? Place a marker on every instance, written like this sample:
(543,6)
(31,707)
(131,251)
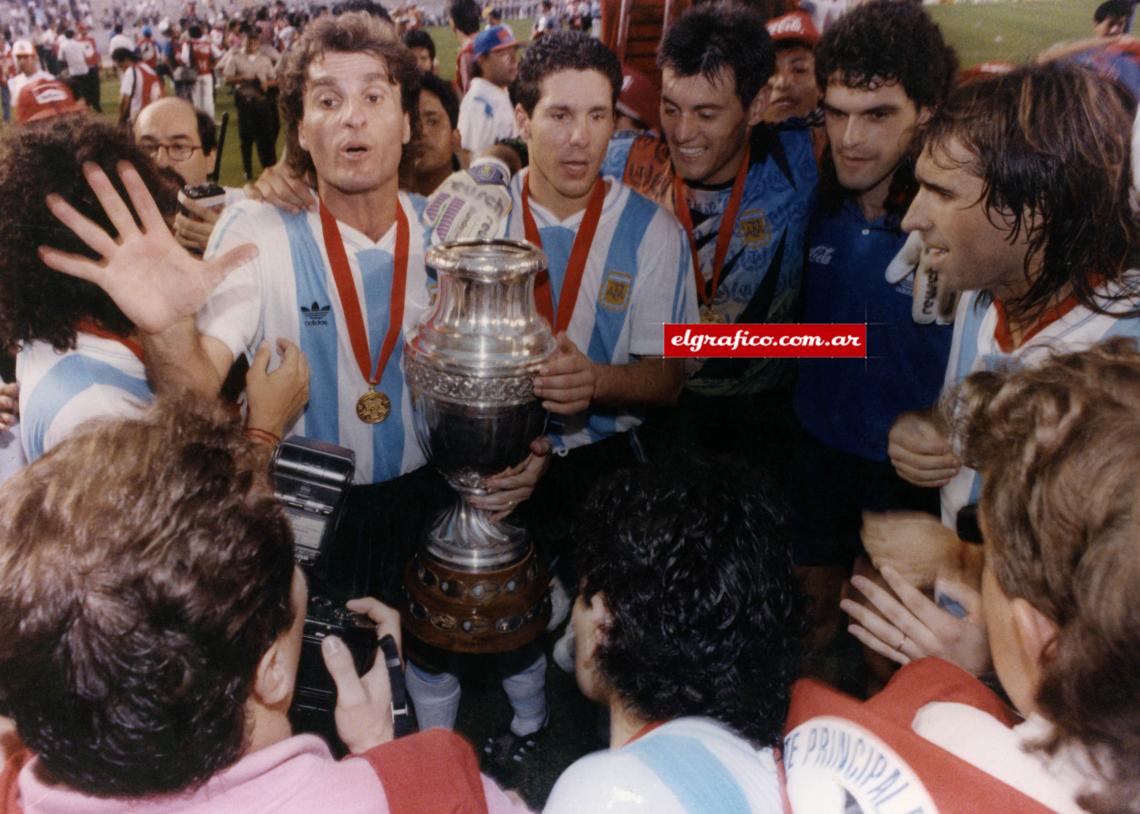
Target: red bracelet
(262,436)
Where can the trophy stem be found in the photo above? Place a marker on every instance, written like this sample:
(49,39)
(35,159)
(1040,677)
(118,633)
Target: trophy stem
(465,537)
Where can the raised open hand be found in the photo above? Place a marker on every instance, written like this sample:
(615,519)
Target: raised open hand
(154,281)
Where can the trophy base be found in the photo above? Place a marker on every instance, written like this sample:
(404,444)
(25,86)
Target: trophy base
(476,611)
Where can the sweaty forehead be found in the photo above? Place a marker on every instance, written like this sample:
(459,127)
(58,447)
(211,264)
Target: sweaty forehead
(697,88)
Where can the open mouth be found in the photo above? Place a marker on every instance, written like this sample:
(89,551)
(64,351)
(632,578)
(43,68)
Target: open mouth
(691,153)
(354,150)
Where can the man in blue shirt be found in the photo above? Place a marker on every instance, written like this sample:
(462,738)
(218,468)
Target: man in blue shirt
(875,97)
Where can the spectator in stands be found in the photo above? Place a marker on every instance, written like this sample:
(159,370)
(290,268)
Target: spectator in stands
(1058,448)
(156,671)
(422,46)
(687,629)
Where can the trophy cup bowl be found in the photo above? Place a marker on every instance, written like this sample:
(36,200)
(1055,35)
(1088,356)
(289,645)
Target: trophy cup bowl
(476,586)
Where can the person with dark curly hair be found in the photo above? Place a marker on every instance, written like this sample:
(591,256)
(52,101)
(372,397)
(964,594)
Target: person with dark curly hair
(743,191)
(1058,445)
(79,356)
(883,69)
(153,670)
(687,629)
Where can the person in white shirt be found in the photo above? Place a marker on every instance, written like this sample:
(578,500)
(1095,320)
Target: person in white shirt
(28,65)
(486,114)
(120,40)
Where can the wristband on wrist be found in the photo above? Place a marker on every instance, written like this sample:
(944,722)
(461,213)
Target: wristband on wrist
(262,436)
(488,170)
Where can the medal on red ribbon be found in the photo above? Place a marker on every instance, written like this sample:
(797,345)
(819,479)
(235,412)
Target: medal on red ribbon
(373,406)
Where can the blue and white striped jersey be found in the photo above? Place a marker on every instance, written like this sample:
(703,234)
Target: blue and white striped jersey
(976,346)
(686,766)
(288,292)
(60,391)
(637,278)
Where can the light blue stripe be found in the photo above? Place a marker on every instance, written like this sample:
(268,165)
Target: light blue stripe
(632,226)
(968,349)
(684,274)
(387,436)
(698,780)
(65,381)
(631,229)
(318,333)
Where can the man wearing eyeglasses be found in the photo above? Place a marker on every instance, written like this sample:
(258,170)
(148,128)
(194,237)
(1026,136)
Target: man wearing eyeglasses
(178,137)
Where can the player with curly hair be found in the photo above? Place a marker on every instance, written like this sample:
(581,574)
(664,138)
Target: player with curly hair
(79,356)
(687,629)
(1058,447)
(883,69)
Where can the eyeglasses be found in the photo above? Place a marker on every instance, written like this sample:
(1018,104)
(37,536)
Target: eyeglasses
(176,151)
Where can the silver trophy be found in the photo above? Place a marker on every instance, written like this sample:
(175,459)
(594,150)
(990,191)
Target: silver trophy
(470,365)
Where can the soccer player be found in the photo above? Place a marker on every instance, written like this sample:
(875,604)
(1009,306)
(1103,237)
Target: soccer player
(80,355)
(343,283)
(743,192)
(1041,248)
(884,69)
(618,272)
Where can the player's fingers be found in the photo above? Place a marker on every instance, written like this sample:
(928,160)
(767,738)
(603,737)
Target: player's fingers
(85,229)
(73,264)
(109,198)
(879,647)
(141,199)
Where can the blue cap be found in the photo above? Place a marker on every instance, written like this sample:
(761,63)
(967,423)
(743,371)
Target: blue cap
(146,32)
(493,39)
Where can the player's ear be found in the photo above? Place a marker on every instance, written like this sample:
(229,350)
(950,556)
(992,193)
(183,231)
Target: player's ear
(522,122)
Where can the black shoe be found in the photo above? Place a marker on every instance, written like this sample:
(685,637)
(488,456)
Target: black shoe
(506,754)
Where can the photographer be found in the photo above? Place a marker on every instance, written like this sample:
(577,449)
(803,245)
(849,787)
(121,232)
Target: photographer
(155,671)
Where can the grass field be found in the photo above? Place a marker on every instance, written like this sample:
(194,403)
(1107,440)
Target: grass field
(1006,31)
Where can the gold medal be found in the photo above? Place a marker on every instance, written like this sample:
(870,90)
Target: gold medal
(709,316)
(373,407)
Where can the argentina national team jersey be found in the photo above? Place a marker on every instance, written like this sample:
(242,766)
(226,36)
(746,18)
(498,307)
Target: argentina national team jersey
(288,292)
(976,346)
(100,378)
(760,278)
(637,279)
(685,766)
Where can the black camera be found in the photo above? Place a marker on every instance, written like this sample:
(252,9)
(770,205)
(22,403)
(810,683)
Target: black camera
(311,480)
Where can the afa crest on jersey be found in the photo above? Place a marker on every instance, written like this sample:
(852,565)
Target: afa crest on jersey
(754,228)
(615,291)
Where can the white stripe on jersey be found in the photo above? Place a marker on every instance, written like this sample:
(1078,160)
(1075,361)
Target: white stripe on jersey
(975,348)
(637,279)
(60,391)
(288,292)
